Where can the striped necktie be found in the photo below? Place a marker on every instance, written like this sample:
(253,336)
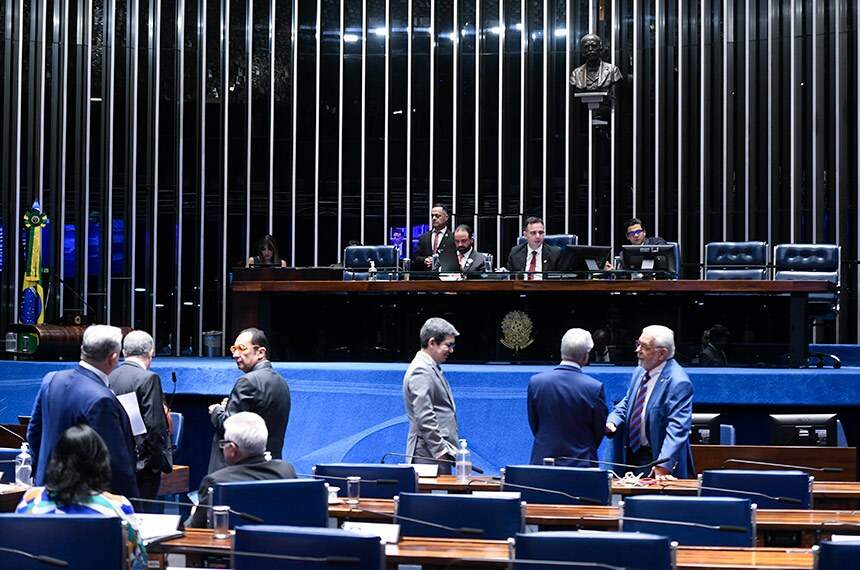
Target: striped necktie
(635,422)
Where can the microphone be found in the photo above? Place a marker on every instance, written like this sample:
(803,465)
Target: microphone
(588,500)
(244,516)
(598,462)
(461,530)
(4,428)
(475,468)
(377,481)
(221,552)
(791,500)
(173,392)
(44,559)
(719,527)
(784,466)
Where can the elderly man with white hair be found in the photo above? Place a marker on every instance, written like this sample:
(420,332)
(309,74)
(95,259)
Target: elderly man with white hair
(653,420)
(567,408)
(81,395)
(134,375)
(244,446)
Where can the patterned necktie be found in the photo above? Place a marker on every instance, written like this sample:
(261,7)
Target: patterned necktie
(436,240)
(533,265)
(635,421)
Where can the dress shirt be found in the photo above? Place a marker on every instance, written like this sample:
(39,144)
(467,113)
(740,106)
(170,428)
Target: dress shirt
(538,262)
(571,363)
(102,376)
(654,375)
(463,258)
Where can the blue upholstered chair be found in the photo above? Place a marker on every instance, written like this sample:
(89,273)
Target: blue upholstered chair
(574,481)
(727,434)
(178,421)
(703,510)
(319,543)
(736,260)
(557,240)
(377,481)
(811,262)
(299,502)
(357,258)
(7,464)
(829,555)
(633,551)
(498,518)
(754,485)
(84,541)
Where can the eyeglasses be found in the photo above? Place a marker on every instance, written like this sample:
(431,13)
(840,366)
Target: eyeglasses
(242,347)
(643,346)
(635,233)
(225,442)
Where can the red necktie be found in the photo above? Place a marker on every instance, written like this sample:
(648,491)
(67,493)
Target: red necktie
(460,258)
(635,421)
(436,241)
(533,265)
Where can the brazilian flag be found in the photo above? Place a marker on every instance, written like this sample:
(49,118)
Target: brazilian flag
(33,298)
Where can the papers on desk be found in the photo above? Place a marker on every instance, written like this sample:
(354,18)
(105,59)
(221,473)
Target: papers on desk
(129,402)
(497,494)
(845,538)
(424,469)
(154,527)
(389,533)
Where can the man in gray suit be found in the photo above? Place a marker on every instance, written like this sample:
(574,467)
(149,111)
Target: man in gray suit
(428,399)
(469,260)
(261,390)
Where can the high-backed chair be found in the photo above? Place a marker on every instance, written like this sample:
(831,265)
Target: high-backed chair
(634,551)
(829,555)
(811,262)
(377,481)
(556,240)
(7,464)
(318,544)
(713,511)
(569,482)
(497,518)
(727,434)
(299,502)
(84,541)
(178,421)
(357,258)
(767,489)
(736,260)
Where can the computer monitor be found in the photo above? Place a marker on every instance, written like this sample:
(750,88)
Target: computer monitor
(448,260)
(656,258)
(705,429)
(803,429)
(584,257)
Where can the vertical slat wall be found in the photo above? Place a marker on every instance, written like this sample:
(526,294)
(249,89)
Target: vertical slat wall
(165,137)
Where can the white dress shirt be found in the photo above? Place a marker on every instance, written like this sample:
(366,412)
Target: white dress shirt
(102,376)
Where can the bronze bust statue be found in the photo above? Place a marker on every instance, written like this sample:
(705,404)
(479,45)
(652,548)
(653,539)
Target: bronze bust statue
(594,74)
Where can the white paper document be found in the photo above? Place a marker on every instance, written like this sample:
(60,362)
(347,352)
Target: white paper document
(154,527)
(129,402)
(424,469)
(389,533)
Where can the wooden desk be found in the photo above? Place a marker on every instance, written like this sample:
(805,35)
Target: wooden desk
(175,483)
(715,456)
(10,496)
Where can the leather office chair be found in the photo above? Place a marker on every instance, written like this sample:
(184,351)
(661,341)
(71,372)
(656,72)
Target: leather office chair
(795,485)
(592,483)
(306,542)
(357,258)
(556,240)
(84,541)
(498,518)
(635,551)
(7,464)
(176,435)
(829,555)
(736,260)
(299,502)
(396,478)
(811,262)
(702,510)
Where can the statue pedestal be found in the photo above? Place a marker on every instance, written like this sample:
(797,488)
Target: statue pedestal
(594,99)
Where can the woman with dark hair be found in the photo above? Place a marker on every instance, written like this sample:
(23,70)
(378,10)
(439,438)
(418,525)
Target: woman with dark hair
(267,254)
(75,481)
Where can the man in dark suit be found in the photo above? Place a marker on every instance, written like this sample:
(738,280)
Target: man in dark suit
(636,235)
(433,240)
(534,256)
(567,408)
(244,444)
(469,260)
(133,375)
(80,395)
(261,390)
(653,419)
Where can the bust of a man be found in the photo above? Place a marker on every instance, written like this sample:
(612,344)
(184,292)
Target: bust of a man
(594,74)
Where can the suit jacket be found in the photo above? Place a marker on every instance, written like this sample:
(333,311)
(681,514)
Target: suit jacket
(254,468)
(425,248)
(153,447)
(432,415)
(567,414)
(549,255)
(668,417)
(476,262)
(264,392)
(77,396)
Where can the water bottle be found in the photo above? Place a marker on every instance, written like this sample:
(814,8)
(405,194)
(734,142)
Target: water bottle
(489,265)
(463,462)
(24,467)
(371,271)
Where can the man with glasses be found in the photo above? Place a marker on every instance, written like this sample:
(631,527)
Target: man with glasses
(244,446)
(260,390)
(428,398)
(637,235)
(654,417)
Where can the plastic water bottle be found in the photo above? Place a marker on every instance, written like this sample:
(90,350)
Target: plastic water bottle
(371,271)
(24,467)
(463,462)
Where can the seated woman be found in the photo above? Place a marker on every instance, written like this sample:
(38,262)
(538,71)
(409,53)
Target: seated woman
(267,254)
(75,481)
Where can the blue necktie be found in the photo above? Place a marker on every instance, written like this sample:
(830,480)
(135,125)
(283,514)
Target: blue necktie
(635,421)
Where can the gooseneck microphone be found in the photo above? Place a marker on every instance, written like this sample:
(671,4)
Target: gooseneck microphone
(315,559)
(244,516)
(461,530)
(718,527)
(598,462)
(4,428)
(475,468)
(785,466)
(791,500)
(43,558)
(588,500)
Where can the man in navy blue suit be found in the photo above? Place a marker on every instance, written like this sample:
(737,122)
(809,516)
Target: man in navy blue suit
(653,420)
(80,395)
(567,409)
